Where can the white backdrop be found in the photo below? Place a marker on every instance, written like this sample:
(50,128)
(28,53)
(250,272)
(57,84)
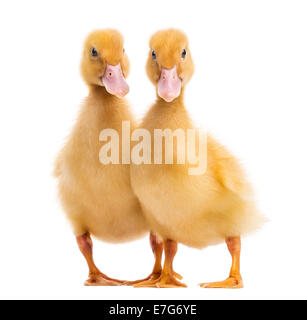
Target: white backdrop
(249,89)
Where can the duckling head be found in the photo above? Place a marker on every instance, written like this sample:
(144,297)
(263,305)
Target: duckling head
(105,63)
(169,64)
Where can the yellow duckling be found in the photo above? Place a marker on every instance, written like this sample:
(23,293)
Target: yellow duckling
(195,210)
(98,199)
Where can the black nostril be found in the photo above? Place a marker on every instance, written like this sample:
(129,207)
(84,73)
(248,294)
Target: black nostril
(110,74)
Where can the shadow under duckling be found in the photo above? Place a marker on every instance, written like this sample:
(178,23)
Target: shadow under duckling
(98,199)
(195,210)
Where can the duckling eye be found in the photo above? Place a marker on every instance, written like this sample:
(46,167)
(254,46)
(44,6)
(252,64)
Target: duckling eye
(183,53)
(94,52)
(153,54)
(124,50)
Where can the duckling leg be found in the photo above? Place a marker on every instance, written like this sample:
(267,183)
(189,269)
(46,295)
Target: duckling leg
(157,249)
(167,278)
(96,278)
(234,280)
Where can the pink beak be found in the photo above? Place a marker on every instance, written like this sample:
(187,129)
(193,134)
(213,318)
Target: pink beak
(114,81)
(169,85)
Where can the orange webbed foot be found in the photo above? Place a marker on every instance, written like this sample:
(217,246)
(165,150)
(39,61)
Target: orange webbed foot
(102,280)
(229,283)
(164,281)
(177,275)
(152,277)
(169,281)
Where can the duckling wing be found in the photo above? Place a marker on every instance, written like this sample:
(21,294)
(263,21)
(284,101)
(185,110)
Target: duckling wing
(228,169)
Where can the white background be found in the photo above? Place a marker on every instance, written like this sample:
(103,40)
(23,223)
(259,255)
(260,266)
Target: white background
(249,89)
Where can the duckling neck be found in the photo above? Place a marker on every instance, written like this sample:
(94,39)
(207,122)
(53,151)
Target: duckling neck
(100,94)
(171,115)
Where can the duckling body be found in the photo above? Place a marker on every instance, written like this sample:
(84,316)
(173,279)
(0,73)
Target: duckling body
(196,210)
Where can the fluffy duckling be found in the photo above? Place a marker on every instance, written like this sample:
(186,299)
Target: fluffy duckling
(97,198)
(195,210)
